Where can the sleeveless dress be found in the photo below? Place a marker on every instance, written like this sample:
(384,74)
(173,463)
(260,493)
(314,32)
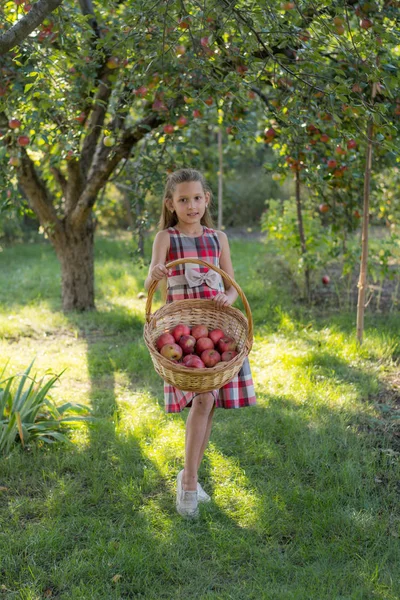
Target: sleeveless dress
(195,281)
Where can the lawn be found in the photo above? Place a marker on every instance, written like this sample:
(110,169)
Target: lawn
(305,485)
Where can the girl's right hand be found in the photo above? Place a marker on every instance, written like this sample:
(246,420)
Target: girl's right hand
(158,272)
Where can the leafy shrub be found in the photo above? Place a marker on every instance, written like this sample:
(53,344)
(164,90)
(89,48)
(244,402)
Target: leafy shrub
(27,412)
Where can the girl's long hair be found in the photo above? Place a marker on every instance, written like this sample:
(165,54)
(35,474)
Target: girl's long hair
(168,218)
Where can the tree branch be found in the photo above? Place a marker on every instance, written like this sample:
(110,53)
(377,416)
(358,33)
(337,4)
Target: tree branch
(100,104)
(18,32)
(38,197)
(103,166)
(75,185)
(59,177)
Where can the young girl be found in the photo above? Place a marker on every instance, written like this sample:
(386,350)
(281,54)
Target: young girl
(186,232)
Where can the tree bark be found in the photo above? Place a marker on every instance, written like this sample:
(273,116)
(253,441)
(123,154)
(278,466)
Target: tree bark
(362,282)
(75,253)
(302,236)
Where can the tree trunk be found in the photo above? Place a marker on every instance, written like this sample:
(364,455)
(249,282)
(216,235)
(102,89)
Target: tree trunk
(302,236)
(362,282)
(75,253)
(220,177)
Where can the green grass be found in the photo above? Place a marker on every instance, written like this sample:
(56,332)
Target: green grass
(305,485)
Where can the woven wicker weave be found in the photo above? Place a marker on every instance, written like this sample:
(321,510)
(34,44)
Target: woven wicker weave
(194,312)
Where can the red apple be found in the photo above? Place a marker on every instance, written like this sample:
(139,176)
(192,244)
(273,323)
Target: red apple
(339,150)
(182,121)
(216,334)
(324,138)
(209,101)
(225,344)
(171,351)
(331,163)
(357,214)
(195,362)
(312,129)
(304,35)
(204,343)
(184,23)
(197,114)
(80,118)
(14,123)
(165,338)
(323,208)
(169,128)
(180,330)
(187,343)
(366,23)
(352,144)
(199,331)
(210,357)
(270,133)
(325,280)
(187,357)
(204,42)
(141,91)
(227,356)
(242,69)
(158,105)
(23,140)
(180,50)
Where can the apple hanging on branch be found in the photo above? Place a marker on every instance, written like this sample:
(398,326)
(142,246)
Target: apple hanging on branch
(23,140)
(14,123)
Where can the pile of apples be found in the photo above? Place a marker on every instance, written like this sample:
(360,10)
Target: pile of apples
(196,347)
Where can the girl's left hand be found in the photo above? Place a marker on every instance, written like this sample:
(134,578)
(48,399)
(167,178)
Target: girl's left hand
(222,299)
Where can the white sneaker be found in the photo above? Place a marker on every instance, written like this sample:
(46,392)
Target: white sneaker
(202,496)
(186,502)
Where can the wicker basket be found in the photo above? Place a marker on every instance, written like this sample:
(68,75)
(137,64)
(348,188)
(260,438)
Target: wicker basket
(193,312)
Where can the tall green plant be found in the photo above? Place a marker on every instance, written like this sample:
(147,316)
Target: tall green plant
(27,412)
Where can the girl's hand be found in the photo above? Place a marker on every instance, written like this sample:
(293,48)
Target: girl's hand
(158,272)
(222,299)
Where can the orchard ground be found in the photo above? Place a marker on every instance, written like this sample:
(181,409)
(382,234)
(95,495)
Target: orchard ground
(305,486)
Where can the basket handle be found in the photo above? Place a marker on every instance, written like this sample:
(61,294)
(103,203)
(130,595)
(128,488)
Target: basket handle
(223,274)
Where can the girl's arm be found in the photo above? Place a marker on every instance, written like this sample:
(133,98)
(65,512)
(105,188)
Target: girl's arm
(157,269)
(226,265)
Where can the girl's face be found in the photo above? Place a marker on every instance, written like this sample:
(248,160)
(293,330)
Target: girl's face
(189,202)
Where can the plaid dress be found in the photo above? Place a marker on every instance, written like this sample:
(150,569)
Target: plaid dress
(238,392)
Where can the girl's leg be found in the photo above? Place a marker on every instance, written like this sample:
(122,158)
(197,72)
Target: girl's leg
(206,437)
(197,428)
